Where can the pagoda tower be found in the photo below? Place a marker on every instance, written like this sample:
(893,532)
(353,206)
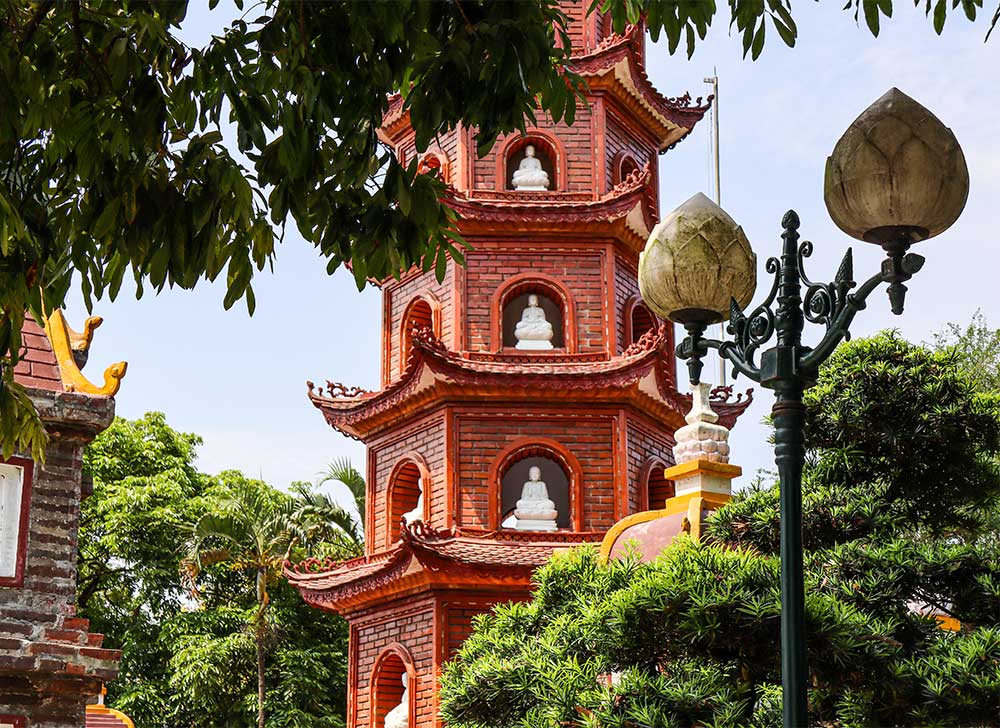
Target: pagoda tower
(536,362)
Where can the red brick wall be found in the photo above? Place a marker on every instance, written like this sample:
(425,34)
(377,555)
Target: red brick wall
(577,147)
(426,436)
(460,609)
(483,435)
(580,270)
(396,299)
(49,662)
(619,140)
(626,286)
(646,440)
(37,367)
(410,623)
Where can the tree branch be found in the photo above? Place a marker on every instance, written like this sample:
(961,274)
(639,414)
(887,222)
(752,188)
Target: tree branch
(40,12)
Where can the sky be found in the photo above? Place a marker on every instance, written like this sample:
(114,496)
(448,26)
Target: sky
(239,382)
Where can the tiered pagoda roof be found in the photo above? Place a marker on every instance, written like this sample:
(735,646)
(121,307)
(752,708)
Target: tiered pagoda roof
(623,212)
(428,558)
(641,376)
(615,66)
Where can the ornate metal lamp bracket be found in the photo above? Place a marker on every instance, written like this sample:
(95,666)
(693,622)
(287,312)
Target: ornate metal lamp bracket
(785,310)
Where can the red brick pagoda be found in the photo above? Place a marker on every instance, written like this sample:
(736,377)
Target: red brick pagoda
(536,363)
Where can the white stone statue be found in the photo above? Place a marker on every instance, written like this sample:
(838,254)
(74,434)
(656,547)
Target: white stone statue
(529,174)
(417,514)
(11,485)
(535,511)
(533,331)
(399,717)
(701,438)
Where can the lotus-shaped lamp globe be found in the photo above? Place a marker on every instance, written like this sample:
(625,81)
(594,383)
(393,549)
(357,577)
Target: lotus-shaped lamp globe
(697,259)
(897,175)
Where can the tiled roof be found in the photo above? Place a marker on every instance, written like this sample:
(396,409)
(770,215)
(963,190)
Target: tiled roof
(37,368)
(615,63)
(423,548)
(641,375)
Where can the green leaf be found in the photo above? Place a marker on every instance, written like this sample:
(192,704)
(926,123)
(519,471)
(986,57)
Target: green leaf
(940,13)
(758,42)
(871,15)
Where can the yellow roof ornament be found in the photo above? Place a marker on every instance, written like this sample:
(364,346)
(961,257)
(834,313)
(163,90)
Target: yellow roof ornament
(70,348)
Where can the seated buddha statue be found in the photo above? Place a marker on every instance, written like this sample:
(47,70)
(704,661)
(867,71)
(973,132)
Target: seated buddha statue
(399,717)
(533,331)
(535,511)
(529,174)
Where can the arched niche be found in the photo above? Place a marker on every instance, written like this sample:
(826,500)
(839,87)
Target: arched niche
(656,489)
(386,684)
(548,150)
(423,311)
(409,483)
(560,471)
(435,160)
(638,320)
(509,304)
(622,165)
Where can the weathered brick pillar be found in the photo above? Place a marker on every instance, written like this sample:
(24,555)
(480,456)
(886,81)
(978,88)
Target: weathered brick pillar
(50,665)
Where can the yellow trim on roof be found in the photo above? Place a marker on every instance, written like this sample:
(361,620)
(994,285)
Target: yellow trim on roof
(103,710)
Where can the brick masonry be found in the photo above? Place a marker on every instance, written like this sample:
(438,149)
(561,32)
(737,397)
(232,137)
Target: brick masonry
(50,664)
(463,443)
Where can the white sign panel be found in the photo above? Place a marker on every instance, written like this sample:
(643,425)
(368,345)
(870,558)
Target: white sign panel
(11,491)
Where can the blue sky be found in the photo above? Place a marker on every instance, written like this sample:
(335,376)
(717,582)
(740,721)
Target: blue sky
(239,382)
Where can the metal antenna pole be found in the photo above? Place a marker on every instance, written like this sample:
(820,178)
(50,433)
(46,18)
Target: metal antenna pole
(714,81)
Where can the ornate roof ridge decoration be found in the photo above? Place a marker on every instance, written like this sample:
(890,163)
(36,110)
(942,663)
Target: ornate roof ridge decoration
(613,40)
(641,375)
(71,350)
(431,546)
(625,205)
(617,66)
(427,347)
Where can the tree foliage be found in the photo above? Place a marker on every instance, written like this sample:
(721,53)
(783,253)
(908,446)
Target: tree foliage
(977,346)
(190,663)
(113,161)
(692,638)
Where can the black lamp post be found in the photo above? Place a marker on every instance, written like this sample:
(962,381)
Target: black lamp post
(896,177)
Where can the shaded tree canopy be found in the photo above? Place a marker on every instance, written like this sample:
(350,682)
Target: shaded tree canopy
(113,161)
(900,500)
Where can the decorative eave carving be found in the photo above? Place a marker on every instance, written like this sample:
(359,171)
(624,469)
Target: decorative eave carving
(624,211)
(426,557)
(615,67)
(641,378)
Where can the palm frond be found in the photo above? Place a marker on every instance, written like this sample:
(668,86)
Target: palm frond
(342,471)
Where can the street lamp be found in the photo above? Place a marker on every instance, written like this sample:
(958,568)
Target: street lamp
(896,177)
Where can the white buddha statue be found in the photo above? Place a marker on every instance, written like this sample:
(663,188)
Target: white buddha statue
(417,514)
(399,717)
(529,174)
(535,511)
(533,331)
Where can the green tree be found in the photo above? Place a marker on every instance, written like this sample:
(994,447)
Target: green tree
(898,492)
(977,346)
(336,522)
(254,533)
(113,161)
(185,663)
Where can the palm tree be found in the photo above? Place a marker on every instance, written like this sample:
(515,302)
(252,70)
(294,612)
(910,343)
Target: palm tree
(254,533)
(341,471)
